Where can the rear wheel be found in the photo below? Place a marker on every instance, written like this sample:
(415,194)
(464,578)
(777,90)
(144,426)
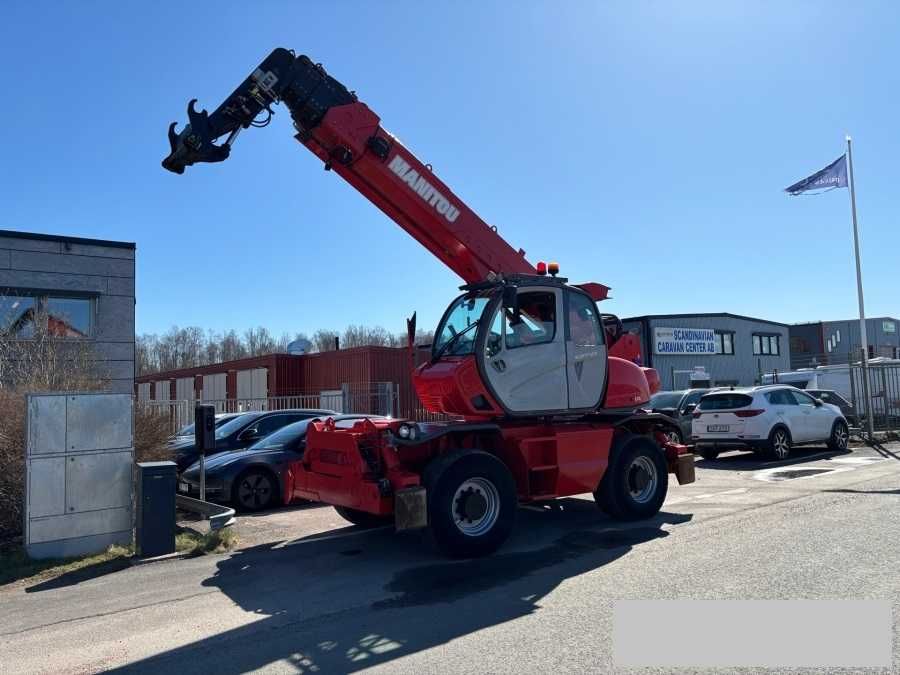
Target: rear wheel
(636,481)
(840,437)
(362,518)
(254,490)
(471,503)
(779,443)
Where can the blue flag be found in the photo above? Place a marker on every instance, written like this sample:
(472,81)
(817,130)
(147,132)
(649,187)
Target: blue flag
(832,176)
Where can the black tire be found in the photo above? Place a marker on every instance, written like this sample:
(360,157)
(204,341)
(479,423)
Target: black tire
(255,489)
(472,503)
(779,446)
(636,481)
(840,437)
(709,453)
(362,518)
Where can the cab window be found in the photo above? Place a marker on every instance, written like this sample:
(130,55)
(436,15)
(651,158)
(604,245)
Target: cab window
(584,326)
(535,321)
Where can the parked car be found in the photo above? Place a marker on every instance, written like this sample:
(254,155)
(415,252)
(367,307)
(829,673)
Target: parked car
(834,398)
(678,405)
(254,479)
(770,419)
(187,431)
(242,432)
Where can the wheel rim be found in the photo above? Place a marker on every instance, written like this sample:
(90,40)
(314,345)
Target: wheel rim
(475,506)
(841,436)
(673,437)
(642,479)
(781,445)
(254,490)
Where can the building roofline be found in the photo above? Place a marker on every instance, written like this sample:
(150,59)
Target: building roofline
(252,361)
(66,239)
(704,315)
(824,321)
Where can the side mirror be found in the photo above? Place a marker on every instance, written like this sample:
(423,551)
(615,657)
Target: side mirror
(249,434)
(817,403)
(689,408)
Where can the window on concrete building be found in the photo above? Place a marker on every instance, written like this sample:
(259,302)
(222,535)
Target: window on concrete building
(724,342)
(22,315)
(17,316)
(766,345)
(69,317)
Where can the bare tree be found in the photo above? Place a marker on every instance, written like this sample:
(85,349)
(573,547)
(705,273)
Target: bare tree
(323,340)
(191,346)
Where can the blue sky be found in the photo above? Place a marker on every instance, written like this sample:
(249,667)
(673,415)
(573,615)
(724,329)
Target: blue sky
(641,144)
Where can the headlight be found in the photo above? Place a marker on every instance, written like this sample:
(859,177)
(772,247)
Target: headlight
(408,432)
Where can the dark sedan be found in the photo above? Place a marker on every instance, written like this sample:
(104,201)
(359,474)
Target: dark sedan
(678,405)
(253,479)
(242,432)
(188,431)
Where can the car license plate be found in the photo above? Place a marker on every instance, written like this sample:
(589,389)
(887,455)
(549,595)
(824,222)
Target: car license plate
(184,487)
(717,427)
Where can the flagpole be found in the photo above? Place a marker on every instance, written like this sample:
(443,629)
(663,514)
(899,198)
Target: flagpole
(859,291)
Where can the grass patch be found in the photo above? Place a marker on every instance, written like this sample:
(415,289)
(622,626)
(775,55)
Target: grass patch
(15,565)
(214,541)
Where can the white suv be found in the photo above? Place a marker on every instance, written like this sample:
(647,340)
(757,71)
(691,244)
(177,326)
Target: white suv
(772,419)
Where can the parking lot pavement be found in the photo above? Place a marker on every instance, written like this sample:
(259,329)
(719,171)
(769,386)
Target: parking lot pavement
(301,596)
(734,479)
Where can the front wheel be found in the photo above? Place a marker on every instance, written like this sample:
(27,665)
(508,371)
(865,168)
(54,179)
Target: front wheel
(471,503)
(840,437)
(254,490)
(709,453)
(636,481)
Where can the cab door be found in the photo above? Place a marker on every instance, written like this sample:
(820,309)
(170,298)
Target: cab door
(585,352)
(524,357)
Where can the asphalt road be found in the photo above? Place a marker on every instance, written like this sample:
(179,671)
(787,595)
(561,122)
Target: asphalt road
(338,600)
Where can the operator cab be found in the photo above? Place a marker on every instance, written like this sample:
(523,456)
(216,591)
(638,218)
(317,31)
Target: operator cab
(538,344)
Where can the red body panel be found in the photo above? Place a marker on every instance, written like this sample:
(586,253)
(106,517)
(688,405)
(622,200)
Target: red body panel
(450,385)
(628,385)
(341,466)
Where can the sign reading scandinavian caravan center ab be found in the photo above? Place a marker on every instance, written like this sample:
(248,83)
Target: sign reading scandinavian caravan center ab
(684,341)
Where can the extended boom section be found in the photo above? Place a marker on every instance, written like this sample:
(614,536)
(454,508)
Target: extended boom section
(347,136)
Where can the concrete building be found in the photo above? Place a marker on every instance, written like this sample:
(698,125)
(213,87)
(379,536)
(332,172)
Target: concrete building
(829,342)
(730,349)
(73,289)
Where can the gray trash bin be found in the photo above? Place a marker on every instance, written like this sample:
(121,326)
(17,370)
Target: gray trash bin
(155,501)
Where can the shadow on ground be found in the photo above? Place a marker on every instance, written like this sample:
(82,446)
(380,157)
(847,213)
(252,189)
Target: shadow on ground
(867,492)
(740,460)
(76,576)
(334,607)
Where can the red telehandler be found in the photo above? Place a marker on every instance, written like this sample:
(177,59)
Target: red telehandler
(548,390)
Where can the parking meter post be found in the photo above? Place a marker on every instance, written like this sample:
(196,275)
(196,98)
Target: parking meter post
(204,438)
(202,478)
